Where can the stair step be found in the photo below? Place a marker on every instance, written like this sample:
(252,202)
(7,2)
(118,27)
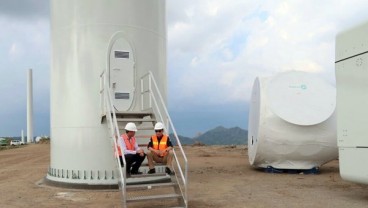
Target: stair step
(134,113)
(160,169)
(149,179)
(143,136)
(157,164)
(139,128)
(146,198)
(135,119)
(131,115)
(148,175)
(145,128)
(149,186)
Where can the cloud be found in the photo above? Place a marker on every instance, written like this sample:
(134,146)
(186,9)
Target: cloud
(24,44)
(24,9)
(217,48)
(209,35)
(16,50)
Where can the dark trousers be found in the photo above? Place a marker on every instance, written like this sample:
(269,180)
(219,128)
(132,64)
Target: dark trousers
(133,162)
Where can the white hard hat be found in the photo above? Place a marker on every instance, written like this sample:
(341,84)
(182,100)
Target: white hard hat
(130,127)
(159,126)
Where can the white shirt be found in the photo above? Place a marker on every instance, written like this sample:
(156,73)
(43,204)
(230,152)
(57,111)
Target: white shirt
(124,148)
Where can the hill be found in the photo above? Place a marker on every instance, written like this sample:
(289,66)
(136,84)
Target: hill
(183,140)
(217,136)
(224,136)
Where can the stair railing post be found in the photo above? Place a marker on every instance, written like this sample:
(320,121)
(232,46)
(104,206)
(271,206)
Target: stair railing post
(142,94)
(150,90)
(184,175)
(114,133)
(102,92)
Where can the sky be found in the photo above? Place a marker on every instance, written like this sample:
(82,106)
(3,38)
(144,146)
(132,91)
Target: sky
(215,50)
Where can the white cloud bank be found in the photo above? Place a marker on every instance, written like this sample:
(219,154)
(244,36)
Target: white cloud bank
(218,47)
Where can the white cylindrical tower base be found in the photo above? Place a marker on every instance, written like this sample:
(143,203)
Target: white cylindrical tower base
(292,123)
(124,38)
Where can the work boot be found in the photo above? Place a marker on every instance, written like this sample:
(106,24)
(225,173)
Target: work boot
(152,171)
(135,172)
(168,171)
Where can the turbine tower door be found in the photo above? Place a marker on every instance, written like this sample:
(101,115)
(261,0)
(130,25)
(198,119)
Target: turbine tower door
(122,74)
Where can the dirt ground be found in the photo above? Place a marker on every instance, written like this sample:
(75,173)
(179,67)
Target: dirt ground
(220,176)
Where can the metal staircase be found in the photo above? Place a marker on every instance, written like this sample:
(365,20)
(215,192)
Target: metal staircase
(155,195)
(146,190)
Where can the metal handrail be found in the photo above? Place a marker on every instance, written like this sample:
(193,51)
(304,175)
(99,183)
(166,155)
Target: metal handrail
(107,103)
(183,174)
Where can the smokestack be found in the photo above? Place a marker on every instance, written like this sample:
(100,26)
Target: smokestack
(29,108)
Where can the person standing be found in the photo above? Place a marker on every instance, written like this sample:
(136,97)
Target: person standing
(133,154)
(160,149)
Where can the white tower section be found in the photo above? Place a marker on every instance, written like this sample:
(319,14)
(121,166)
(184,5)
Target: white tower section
(352,101)
(22,136)
(127,38)
(29,107)
(292,122)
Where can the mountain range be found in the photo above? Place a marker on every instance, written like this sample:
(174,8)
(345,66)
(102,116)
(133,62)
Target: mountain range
(217,136)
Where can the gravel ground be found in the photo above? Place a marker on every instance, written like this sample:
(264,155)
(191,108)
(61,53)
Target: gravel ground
(219,176)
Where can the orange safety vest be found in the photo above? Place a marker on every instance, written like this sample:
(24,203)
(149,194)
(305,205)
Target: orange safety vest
(130,144)
(160,146)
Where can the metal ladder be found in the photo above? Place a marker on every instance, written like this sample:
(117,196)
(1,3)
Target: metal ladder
(157,189)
